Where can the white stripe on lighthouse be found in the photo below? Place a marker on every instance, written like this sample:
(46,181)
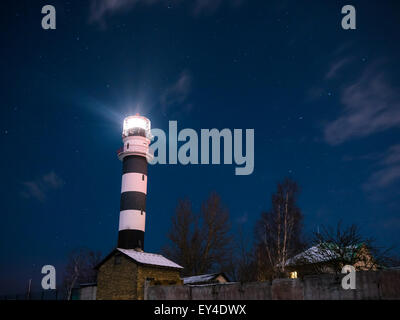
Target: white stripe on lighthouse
(134,181)
(132,220)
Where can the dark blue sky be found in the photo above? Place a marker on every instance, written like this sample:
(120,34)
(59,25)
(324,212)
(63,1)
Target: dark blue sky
(324,104)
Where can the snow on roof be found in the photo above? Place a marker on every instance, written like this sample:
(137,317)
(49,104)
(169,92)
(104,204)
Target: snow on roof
(311,255)
(149,258)
(318,254)
(200,278)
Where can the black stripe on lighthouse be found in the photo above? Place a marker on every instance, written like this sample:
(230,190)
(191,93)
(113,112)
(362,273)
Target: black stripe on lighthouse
(133,200)
(133,203)
(134,164)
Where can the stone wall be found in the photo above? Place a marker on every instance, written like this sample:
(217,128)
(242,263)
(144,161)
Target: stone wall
(165,276)
(370,285)
(117,281)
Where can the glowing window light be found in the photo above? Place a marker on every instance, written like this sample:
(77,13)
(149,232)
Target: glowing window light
(293,275)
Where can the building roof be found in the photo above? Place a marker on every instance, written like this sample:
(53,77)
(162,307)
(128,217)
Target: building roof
(89,284)
(144,258)
(318,254)
(202,278)
(149,258)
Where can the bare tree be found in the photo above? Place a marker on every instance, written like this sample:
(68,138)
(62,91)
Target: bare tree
(278,233)
(201,243)
(336,247)
(184,247)
(216,238)
(80,269)
(243,266)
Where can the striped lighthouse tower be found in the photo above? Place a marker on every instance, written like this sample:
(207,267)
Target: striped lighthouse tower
(134,155)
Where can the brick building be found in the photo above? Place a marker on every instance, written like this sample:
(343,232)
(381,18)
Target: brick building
(123,274)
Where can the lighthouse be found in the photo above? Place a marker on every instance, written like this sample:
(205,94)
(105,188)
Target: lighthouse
(135,154)
(124,272)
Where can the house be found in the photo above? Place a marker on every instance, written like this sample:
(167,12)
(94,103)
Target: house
(206,279)
(326,258)
(124,273)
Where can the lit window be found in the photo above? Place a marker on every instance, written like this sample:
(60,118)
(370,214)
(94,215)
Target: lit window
(293,275)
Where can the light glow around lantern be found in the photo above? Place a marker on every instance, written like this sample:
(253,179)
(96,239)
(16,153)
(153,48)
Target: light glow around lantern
(136,122)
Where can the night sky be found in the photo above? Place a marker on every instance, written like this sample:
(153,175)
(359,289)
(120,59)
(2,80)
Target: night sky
(324,104)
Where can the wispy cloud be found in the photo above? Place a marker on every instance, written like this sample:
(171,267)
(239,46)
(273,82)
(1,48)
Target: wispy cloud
(38,189)
(211,6)
(383,178)
(392,156)
(336,67)
(337,61)
(371,105)
(388,170)
(33,189)
(100,9)
(177,93)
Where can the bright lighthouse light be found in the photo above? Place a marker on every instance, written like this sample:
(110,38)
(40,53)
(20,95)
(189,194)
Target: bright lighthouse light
(133,123)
